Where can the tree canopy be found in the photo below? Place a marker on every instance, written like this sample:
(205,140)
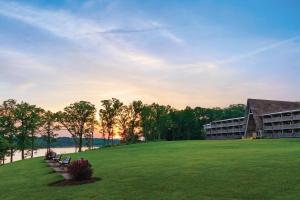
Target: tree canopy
(77,119)
(21,123)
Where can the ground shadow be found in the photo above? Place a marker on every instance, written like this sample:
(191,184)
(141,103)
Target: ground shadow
(63,183)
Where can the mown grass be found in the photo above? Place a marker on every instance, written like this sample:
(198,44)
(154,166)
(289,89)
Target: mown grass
(258,169)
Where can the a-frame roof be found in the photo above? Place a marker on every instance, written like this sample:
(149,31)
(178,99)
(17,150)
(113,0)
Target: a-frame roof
(259,107)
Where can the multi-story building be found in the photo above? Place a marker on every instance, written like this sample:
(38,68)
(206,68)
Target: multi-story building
(226,129)
(263,118)
(281,124)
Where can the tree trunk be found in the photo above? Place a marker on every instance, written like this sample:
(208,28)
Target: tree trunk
(48,139)
(48,143)
(75,142)
(92,145)
(80,143)
(11,155)
(22,153)
(32,146)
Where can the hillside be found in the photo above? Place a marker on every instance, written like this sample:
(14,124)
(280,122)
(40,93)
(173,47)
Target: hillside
(260,169)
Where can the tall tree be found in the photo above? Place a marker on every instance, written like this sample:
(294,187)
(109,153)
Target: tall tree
(49,127)
(135,120)
(108,116)
(162,120)
(4,146)
(8,125)
(90,131)
(76,118)
(103,129)
(156,121)
(147,122)
(35,124)
(28,119)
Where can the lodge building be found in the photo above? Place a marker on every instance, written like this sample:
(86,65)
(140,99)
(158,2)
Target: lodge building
(263,119)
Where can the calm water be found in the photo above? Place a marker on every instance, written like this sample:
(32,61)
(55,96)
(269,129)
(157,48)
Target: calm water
(41,152)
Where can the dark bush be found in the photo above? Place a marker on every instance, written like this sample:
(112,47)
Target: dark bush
(80,170)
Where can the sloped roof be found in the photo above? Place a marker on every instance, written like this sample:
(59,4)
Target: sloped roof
(260,107)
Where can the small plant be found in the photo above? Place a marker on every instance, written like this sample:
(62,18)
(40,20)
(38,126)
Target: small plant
(80,170)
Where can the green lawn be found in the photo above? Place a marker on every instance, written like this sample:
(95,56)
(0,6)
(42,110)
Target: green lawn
(240,169)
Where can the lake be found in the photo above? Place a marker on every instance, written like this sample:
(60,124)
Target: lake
(41,152)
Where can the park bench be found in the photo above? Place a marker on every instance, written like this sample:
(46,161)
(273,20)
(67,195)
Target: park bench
(57,158)
(51,155)
(65,162)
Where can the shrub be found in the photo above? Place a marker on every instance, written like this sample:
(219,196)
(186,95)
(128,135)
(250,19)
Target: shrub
(80,170)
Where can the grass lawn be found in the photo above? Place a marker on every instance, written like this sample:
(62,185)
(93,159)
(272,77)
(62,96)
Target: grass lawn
(240,169)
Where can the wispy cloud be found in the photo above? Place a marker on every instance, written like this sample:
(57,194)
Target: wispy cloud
(257,51)
(66,25)
(216,64)
(125,31)
(171,36)
(21,60)
(131,51)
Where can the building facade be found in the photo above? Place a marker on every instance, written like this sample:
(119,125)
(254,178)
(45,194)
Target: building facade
(263,119)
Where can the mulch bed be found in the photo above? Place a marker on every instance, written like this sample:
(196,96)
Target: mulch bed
(63,183)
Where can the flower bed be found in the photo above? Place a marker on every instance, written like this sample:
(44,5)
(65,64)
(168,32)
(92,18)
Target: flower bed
(80,170)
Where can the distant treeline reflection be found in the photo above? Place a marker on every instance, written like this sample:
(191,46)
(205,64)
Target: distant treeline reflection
(69,142)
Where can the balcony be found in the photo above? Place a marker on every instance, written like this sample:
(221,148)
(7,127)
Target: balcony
(283,118)
(287,126)
(296,117)
(236,130)
(297,126)
(277,127)
(267,120)
(282,127)
(268,128)
(232,124)
(287,118)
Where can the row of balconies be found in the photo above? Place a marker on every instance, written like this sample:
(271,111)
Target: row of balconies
(282,126)
(228,127)
(282,132)
(227,124)
(222,131)
(281,118)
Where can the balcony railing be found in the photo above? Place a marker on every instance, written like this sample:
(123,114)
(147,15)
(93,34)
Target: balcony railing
(296,117)
(280,119)
(297,126)
(227,125)
(268,128)
(226,131)
(267,120)
(282,127)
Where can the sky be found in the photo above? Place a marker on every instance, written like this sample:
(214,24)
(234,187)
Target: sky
(197,53)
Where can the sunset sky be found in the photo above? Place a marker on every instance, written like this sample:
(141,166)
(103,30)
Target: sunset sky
(197,53)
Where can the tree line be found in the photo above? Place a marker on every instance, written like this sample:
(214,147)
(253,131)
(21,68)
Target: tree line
(21,123)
